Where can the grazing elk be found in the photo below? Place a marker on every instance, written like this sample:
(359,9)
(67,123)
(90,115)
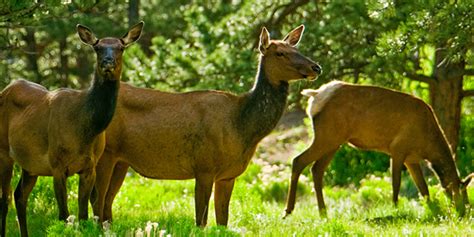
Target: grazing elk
(379,119)
(206,135)
(59,133)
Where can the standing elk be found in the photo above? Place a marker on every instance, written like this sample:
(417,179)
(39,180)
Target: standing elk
(59,133)
(206,135)
(375,118)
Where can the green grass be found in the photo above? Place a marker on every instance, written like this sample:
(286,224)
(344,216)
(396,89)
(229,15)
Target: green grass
(256,209)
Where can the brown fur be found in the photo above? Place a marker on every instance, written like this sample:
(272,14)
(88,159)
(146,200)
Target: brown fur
(379,119)
(59,133)
(206,135)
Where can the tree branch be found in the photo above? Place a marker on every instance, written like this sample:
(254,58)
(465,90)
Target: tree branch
(469,72)
(419,77)
(275,22)
(467,93)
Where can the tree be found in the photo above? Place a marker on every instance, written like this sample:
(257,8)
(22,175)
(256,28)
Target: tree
(433,43)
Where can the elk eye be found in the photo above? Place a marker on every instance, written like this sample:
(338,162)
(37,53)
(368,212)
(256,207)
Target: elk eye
(279,54)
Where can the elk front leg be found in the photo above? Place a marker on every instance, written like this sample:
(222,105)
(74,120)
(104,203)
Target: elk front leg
(60,191)
(202,194)
(299,163)
(397,163)
(22,191)
(118,176)
(318,172)
(5,177)
(86,183)
(222,194)
(415,171)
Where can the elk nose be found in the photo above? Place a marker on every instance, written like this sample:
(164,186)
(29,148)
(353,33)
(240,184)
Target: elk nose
(317,68)
(108,62)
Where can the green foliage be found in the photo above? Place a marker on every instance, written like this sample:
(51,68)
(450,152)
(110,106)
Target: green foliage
(358,164)
(465,161)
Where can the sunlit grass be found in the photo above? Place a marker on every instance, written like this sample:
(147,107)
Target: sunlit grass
(168,206)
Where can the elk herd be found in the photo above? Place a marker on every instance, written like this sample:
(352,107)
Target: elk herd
(209,136)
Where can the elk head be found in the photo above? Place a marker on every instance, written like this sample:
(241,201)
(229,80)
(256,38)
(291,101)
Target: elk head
(109,50)
(282,61)
(457,192)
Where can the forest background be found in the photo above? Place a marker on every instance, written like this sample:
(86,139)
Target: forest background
(424,48)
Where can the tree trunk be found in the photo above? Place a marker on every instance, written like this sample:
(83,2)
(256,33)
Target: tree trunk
(446,96)
(133,12)
(64,69)
(32,54)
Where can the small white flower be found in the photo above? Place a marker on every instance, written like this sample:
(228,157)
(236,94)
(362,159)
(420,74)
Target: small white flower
(139,233)
(148,228)
(106,225)
(70,219)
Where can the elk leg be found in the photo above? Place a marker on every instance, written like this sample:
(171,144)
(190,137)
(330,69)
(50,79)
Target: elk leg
(202,194)
(118,176)
(397,164)
(86,183)
(222,195)
(5,176)
(318,172)
(60,191)
(415,171)
(299,163)
(104,170)
(22,191)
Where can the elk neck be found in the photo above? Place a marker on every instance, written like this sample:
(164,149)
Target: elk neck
(445,168)
(101,100)
(262,108)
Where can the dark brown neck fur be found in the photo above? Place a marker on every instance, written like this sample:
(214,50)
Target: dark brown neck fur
(262,108)
(100,104)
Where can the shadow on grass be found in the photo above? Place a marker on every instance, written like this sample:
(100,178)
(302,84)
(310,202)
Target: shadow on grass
(389,219)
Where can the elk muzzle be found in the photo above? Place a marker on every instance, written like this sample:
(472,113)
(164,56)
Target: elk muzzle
(311,71)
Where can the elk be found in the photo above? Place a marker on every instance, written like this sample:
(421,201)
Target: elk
(209,136)
(380,119)
(59,133)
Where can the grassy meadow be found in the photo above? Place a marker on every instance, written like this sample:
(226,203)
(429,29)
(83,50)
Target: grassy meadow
(147,207)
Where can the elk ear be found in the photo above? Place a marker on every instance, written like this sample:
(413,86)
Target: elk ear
(264,40)
(86,35)
(133,34)
(309,92)
(294,37)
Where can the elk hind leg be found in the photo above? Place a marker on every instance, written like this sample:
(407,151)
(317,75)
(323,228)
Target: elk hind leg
(318,172)
(118,176)
(22,191)
(104,170)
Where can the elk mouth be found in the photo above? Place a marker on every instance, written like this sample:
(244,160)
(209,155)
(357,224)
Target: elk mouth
(311,77)
(108,69)
(309,74)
